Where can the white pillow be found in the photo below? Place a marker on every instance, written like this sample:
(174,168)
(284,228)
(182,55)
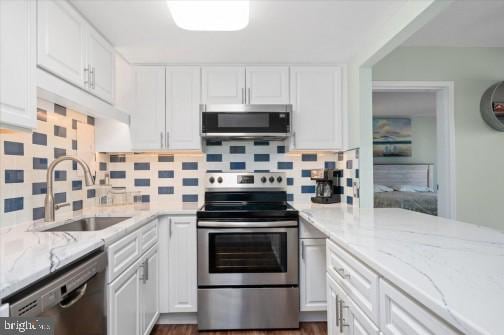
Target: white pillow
(382,188)
(412,188)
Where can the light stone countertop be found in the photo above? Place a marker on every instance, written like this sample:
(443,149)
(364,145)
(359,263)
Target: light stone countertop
(28,254)
(455,269)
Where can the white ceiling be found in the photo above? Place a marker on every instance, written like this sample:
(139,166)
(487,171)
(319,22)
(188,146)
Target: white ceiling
(404,104)
(464,24)
(280,31)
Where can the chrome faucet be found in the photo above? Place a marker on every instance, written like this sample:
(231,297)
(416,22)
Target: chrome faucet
(49,205)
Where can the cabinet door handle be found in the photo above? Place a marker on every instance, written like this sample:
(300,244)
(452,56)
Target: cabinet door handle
(243,95)
(169,228)
(86,76)
(248,93)
(146,270)
(337,311)
(342,319)
(161,136)
(302,250)
(167,139)
(294,138)
(92,81)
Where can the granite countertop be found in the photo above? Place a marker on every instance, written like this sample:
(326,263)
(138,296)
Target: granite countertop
(455,269)
(28,254)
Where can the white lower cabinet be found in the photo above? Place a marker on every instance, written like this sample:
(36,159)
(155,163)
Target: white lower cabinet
(178,276)
(343,315)
(312,273)
(400,315)
(124,302)
(149,291)
(133,294)
(359,301)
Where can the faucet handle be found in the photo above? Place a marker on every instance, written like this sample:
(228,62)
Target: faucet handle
(58,206)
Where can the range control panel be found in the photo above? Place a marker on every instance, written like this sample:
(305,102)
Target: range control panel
(255,180)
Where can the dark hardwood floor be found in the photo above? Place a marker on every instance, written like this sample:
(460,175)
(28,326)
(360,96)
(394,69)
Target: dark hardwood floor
(307,328)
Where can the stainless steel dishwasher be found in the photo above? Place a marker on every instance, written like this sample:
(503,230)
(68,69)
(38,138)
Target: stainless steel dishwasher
(73,297)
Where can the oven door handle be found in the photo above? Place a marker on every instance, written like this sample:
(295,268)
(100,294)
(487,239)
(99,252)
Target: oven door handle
(259,224)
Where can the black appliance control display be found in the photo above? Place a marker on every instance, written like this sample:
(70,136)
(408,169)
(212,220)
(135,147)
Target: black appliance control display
(247,179)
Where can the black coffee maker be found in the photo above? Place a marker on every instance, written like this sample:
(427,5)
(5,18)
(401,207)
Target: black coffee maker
(328,189)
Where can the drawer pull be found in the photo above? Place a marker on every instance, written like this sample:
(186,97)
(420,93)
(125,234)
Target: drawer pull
(342,273)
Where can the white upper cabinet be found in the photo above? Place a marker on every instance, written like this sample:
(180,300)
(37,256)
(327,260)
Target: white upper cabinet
(62,41)
(166,112)
(182,108)
(245,85)
(148,117)
(17,64)
(101,60)
(71,49)
(267,84)
(124,85)
(223,85)
(317,99)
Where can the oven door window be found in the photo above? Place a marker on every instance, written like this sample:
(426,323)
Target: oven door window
(248,252)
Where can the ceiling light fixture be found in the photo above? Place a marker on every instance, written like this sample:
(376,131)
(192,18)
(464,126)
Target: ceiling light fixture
(206,15)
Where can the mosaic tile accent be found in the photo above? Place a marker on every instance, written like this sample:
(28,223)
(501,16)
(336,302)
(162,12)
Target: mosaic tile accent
(25,156)
(350,182)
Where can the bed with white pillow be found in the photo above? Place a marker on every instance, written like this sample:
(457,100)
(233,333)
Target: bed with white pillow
(408,186)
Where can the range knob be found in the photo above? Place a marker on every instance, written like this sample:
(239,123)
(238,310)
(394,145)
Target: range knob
(211,180)
(279,179)
(263,179)
(271,179)
(219,180)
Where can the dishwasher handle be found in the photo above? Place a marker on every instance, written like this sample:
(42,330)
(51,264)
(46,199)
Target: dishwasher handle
(76,295)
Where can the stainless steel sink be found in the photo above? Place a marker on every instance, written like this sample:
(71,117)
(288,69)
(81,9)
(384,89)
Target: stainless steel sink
(90,224)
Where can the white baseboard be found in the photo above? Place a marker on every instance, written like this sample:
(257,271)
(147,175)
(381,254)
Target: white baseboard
(313,316)
(178,319)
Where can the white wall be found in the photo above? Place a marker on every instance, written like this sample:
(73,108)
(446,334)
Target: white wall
(479,155)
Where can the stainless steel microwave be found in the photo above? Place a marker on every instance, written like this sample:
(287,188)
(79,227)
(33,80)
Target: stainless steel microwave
(246,121)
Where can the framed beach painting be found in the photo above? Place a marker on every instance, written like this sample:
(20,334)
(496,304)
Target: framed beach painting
(391,137)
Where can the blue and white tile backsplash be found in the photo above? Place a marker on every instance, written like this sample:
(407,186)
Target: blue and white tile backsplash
(179,176)
(159,177)
(24,158)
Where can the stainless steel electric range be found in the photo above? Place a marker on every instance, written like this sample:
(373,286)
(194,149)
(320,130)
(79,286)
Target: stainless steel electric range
(247,253)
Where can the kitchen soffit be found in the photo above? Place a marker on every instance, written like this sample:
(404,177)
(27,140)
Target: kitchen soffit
(278,31)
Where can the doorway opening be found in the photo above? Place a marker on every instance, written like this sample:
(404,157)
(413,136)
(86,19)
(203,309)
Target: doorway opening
(414,146)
